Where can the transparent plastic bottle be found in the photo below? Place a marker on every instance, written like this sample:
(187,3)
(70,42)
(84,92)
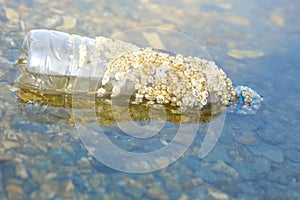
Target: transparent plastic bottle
(53,52)
(54,62)
(49,59)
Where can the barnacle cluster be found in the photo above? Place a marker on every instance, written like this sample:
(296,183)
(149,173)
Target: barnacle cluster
(245,100)
(159,77)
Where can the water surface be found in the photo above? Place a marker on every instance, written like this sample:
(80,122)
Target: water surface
(256,157)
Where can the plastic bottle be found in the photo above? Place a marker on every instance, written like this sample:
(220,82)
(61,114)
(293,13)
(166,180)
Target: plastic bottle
(54,62)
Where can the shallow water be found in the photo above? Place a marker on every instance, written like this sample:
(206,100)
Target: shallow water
(256,157)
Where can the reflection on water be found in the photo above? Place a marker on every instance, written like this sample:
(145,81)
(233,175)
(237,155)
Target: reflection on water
(257,155)
(107,114)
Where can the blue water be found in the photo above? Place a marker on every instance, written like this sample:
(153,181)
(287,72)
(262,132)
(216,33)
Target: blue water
(256,157)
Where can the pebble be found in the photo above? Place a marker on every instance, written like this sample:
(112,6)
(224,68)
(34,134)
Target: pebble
(293,155)
(2,114)
(40,1)
(135,192)
(278,177)
(172,181)
(6,155)
(162,161)
(277,19)
(272,135)
(193,164)
(11,14)
(52,22)
(68,22)
(50,175)
(226,6)
(157,192)
(222,167)
(219,152)
(197,181)
(50,189)
(184,197)
(208,175)
(255,169)
(154,40)
(186,185)
(10,135)
(62,189)
(238,20)
(39,144)
(217,194)
(134,188)
(228,186)
(10,144)
(269,151)
(14,189)
(246,138)
(56,11)
(242,54)
(21,171)
(247,189)
(7,76)
(133,182)
(68,190)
